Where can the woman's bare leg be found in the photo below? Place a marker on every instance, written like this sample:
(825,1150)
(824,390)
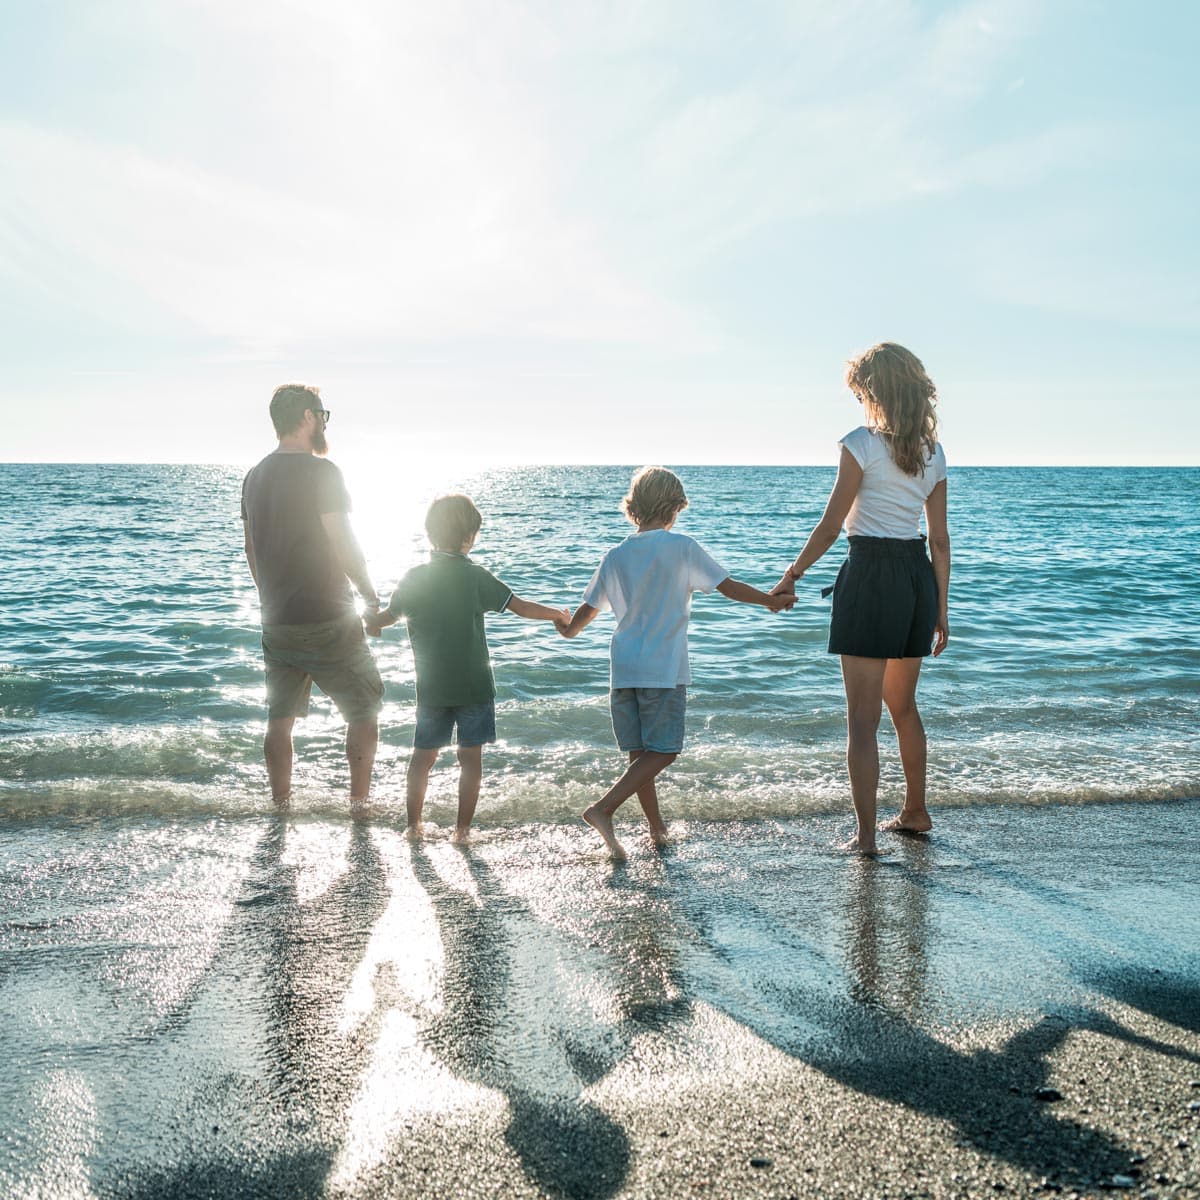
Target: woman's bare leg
(900,695)
(863,680)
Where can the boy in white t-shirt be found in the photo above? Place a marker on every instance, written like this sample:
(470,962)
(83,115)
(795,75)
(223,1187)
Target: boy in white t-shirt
(648,581)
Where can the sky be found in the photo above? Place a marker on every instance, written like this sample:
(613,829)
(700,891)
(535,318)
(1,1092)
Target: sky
(521,231)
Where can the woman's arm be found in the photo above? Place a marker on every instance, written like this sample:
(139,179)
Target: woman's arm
(828,529)
(939,552)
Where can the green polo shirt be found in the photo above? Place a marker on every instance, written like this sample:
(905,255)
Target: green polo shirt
(443,602)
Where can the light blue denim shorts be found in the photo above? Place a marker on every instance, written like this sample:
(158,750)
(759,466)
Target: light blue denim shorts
(435,725)
(649,718)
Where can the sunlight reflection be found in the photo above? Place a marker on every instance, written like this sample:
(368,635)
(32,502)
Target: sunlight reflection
(63,1124)
(318,854)
(406,943)
(404,1081)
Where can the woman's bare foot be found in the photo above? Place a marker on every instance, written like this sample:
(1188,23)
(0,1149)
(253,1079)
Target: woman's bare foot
(853,847)
(659,837)
(602,823)
(414,834)
(908,823)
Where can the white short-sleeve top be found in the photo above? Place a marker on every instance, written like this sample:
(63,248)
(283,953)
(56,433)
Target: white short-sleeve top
(889,502)
(648,581)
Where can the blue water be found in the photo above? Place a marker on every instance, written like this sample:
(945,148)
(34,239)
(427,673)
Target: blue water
(130,677)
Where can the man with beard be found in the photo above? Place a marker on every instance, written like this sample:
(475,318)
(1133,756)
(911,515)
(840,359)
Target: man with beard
(303,556)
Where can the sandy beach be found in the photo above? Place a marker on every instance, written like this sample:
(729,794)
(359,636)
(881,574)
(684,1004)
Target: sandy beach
(303,1007)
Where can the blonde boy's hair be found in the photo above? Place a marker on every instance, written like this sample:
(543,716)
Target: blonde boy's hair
(655,494)
(452,522)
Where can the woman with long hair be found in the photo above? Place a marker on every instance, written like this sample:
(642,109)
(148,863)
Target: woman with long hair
(889,601)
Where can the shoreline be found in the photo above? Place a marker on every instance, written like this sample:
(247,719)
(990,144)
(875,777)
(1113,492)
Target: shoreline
(263,1007)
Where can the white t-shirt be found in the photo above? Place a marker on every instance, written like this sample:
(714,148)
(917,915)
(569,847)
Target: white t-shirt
(648,581)
(889,502)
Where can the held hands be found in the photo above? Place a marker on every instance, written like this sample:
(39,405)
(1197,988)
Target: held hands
(778,601)
(786,585)
(372,618)
(562,621)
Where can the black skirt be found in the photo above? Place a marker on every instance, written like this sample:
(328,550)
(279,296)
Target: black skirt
(885,600)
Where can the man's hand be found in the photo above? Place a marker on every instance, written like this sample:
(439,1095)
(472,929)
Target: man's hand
(562,621)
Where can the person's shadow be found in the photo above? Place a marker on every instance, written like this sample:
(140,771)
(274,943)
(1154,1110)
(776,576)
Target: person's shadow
(303,956)
(488,1032)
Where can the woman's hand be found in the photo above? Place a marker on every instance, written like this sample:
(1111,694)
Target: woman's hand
(786,586)
(941,634)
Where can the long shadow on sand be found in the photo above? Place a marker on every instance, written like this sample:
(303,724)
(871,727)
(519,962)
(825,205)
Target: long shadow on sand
(870,1036)
(486,1035)
(302,957)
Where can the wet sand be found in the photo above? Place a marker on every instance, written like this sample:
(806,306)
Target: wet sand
(273,1007)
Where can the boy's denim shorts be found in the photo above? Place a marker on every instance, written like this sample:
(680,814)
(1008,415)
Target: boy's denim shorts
(331,654)
(649,718)
(435,725)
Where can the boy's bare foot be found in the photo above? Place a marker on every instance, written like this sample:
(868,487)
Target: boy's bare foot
(602,823)
(853,847)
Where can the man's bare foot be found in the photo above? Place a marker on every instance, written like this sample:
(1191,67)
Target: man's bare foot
(915,823)
(854,847)
(460,837)
(602,823)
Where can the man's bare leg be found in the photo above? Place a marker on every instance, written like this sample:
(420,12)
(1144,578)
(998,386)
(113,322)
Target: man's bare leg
(640,771)
(647,796)
(863,680)
(362,739)
(470,776)
(900,696)
(277,750)
(415,782)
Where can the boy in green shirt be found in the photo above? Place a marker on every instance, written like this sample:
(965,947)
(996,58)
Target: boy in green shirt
(443,602)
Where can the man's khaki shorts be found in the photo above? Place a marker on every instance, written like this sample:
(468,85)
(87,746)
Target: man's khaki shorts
(331,654)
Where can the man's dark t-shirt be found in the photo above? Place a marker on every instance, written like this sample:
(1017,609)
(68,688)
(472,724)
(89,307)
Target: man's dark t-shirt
(299,579)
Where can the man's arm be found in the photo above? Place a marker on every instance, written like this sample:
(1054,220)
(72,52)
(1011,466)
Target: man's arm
(585,614)
(735,589)
(248,545)
(349,555)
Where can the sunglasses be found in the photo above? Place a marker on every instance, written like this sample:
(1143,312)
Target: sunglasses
(323,413)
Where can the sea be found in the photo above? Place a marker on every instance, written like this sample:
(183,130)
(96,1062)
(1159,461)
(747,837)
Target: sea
(201,996)
(131,678)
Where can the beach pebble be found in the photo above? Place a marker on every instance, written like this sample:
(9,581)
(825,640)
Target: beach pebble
(1123,1181)
(760,1162)
(1194,1106)
(1047,1094)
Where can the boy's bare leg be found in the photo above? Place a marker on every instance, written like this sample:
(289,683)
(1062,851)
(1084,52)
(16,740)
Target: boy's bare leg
(470,776)
(647,796)
(640,771)
(415,783)
(900,695)
(362,739)
(277,750)
(863,680)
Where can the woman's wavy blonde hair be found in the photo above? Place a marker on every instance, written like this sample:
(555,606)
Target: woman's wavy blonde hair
(900,399)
